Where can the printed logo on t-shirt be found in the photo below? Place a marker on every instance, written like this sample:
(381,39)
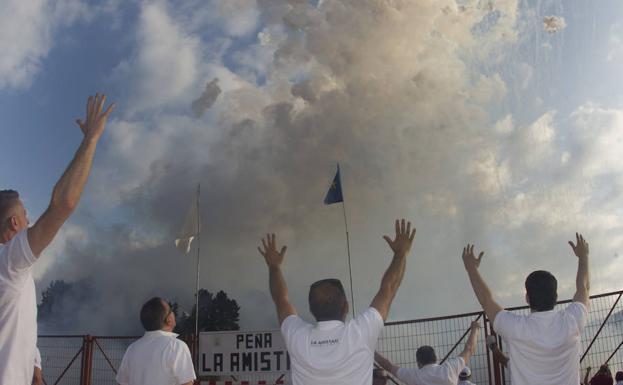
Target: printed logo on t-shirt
(327,342)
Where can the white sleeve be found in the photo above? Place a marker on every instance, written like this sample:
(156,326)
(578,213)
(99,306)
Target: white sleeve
(16,259)
(289,328)
(453,367)
(370,324)
(123,375)
(37,358)
(507,324)
(579,312)
(182,363)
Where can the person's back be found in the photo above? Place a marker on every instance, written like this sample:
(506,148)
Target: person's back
(157,358)
(544,345)
(332,351)
(18,310)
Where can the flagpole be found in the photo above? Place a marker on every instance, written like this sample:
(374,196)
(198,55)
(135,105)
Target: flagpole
(198,253)
(350,271)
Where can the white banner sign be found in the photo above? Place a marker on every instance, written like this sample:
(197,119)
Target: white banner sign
(236,353)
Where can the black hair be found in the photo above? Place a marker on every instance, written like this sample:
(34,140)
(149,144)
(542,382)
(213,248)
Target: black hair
(541,287)
(327,300)
(153,314)
(425,355)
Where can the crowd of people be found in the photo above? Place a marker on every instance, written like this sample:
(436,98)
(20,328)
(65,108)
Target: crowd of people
(543,347)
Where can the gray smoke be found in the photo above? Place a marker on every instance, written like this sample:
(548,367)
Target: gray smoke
(207,98)
(401,93)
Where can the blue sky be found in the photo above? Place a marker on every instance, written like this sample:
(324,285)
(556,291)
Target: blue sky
(509,139)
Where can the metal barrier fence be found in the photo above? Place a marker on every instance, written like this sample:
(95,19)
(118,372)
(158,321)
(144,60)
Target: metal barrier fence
(87,360)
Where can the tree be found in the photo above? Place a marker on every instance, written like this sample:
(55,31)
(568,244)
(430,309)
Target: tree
(61,301)
(216,313)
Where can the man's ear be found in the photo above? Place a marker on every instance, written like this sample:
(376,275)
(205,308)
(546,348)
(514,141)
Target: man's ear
(13,223)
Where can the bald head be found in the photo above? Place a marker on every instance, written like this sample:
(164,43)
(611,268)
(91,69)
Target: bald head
(327,300)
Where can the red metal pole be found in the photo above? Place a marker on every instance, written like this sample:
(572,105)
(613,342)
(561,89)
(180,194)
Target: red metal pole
(87,360)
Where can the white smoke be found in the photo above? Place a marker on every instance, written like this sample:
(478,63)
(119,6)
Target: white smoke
(403,94)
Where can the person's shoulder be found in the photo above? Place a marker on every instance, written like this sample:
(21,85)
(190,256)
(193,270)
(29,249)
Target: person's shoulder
(370,315)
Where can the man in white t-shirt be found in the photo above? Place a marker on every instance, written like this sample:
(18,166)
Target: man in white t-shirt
(157,358)
(20,248)
(428,371)
(544,346)
(334,351)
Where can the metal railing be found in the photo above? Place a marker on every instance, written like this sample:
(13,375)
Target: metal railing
(94,360)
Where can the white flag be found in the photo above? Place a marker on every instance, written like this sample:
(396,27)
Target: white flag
(190,229)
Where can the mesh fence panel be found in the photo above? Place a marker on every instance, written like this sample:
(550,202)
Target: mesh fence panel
(57,353)
(107,355)
(398,342)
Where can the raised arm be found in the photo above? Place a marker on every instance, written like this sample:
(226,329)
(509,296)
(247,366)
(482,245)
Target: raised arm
(582,284)
(68,189)
(385,364)
(472,342)
(278,288)
(483,294)
(396,270)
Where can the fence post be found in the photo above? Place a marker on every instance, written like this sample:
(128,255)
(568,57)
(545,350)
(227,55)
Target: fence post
(87,360)
(497,375)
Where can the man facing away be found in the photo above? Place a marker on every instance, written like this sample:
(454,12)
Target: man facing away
(334,351)
(20,248)
(157,358)
(544,346)
(428,371)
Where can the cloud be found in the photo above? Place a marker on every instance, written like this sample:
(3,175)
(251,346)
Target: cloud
(554,24)
(28,30)
(397,93)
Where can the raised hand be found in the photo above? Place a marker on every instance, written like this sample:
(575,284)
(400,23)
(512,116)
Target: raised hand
(580,249)
(96,118)
(475,325)
(403,240)
(469,259)
(273,257)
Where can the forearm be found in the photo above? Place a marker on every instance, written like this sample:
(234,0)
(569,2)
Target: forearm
(278,287)
(385,363)
(499,355)
(483,294)
(68,189)
(393,275)
(389,285)
(470,346)
(582,279)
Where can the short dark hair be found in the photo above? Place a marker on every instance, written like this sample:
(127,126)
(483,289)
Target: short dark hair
(541,287)
(7,201)
(153,314)
(327,299)
(619,376)
(425,355)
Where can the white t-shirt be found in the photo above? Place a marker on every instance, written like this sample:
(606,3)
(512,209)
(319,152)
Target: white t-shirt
(332,352)
(157,358)
(18,311)
(433,374)
(544,346)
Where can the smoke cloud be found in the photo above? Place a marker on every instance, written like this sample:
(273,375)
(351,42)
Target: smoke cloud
(409,97)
